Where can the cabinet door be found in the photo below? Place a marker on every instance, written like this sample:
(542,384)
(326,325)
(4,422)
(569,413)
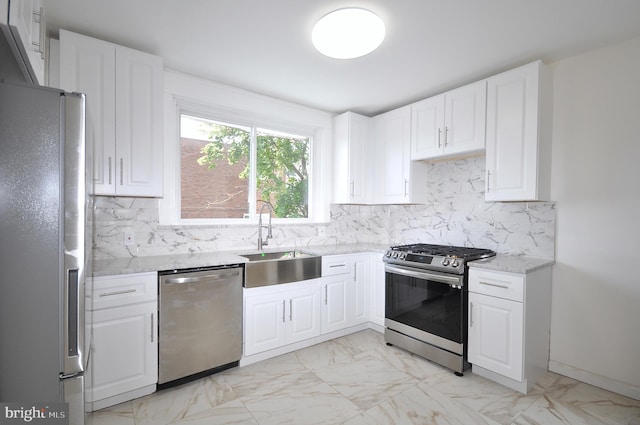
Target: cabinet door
(335,307)
(139,81)
(359,294)
(26,20)
(125,351)
(393,135)
(351,146)
(496,335)
(427,119)
(377,286)
(88,65)
(264,324)
(465,114)
(304,314)
(512,134)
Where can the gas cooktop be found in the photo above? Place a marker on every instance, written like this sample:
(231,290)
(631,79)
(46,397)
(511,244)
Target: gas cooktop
(450,259)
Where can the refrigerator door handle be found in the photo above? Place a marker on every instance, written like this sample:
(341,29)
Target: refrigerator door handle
(72,331)
(72,313)
(72,106)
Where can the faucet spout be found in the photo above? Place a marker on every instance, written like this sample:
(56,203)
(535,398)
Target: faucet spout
(263,242)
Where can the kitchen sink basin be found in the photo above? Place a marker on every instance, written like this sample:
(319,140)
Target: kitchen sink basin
(274,268)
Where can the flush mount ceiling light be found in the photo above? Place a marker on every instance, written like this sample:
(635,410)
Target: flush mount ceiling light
(348,33)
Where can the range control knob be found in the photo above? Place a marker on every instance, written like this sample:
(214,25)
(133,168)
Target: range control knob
(395,254)
(445,262)
(455,263)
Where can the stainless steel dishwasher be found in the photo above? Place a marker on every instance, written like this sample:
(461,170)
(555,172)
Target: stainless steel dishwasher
(200,322)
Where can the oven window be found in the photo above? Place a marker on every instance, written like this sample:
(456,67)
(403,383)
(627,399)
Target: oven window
(427,305)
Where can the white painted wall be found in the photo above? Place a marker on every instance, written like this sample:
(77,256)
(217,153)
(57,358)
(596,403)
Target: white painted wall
(595,329)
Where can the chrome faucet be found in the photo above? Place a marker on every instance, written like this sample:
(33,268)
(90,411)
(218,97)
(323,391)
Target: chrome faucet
(261,242)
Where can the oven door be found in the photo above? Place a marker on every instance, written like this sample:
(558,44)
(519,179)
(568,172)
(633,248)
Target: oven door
(428,306)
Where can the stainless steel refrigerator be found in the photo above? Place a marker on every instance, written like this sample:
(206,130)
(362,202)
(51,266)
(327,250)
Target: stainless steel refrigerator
(43,219)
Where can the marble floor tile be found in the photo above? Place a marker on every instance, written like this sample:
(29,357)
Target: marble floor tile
(232,413)
(175,404)
(493,400)
(366,381)
(420,405)
(326,354)
(358,380)
(121,414)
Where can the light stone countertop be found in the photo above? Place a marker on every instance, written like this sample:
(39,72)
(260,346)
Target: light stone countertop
(126,265)
(511,263)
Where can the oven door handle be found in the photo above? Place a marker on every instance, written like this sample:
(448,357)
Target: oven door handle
(454,280)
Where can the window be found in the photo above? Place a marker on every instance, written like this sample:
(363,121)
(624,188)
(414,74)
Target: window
(229,170)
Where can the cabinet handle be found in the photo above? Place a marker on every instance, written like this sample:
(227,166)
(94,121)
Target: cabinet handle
(355,273)
(109,170)
(38,18)
(124,291)
(326,294)
(488,176)
(446,132)
(291,309)
(283,319)
(121,171)
(337,265)
(353,185)
(470,315)
(406,184)
(439,133)
(497,285)
(152,330)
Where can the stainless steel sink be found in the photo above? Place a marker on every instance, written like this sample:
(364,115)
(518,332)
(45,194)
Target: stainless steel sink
(274,268)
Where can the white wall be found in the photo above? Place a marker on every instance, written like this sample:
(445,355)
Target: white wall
(595,329)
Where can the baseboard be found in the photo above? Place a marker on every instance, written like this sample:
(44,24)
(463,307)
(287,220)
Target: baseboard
(600,381)
(92,406)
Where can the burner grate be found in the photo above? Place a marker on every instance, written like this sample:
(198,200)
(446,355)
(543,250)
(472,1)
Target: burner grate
(444,250)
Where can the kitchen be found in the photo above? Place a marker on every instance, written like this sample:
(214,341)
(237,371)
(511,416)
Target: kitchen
(594,103)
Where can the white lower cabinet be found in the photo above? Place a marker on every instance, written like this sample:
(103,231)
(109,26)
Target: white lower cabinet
(509,325)
(376,289)
(279,315)
(495,342)
(122,327)
(345,296)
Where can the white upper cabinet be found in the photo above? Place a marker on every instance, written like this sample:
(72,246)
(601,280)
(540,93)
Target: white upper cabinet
(25,22)
(124,112)
(399,180)
(451,123)
(518,135)
(352,147)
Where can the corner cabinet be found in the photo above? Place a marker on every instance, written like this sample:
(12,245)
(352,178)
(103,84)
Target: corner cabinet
(451,123)
(518,135)
(400,180)
(122,327)
(124,89)
(352,144)
(509,326)
(345,295)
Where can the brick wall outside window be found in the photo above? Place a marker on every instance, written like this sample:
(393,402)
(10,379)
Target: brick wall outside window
(217,193)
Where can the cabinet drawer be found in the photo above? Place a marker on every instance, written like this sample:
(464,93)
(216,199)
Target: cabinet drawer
(497,284)
(336,264)
(119,290)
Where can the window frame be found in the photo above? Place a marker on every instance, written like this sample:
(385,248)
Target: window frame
(169,207)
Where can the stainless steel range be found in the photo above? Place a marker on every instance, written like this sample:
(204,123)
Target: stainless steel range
(426,301)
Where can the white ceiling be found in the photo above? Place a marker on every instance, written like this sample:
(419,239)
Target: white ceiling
(431,45)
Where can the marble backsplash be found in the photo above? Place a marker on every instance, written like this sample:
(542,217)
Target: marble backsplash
(455,214)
